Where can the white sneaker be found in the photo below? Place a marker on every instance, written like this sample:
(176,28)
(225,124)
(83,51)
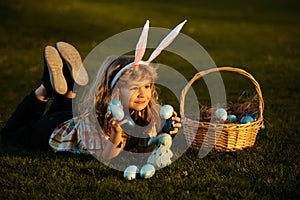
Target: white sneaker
(53,78)
(73,60)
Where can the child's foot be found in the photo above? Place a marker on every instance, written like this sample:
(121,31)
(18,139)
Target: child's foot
(53,78)
(73,60)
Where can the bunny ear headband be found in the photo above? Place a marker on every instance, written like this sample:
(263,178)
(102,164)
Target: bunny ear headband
(141,48)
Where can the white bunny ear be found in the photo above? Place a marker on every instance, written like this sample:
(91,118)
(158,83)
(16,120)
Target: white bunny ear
(142,43)
(141,48)
(139,52)
(166,41)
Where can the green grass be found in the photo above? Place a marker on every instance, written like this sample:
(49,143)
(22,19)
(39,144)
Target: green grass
(259,36)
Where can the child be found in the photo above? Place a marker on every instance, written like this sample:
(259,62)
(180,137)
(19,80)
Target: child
(126,78)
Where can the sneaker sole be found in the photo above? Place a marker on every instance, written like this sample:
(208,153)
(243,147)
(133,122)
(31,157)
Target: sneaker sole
(55,66)
(73,60)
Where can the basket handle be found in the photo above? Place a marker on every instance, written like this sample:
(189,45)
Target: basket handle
(231,69)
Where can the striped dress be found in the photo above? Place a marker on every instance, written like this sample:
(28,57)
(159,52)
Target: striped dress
(77,135)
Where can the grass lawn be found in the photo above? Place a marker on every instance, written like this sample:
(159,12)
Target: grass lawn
(261,37)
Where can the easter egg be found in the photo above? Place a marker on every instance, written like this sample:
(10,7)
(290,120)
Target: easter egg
(115,102)
(166,111)
(116,112)
(168,126)
(147,171)
(246,119)
(129,125)
(221,113)
(253,115)
(130,172)
(232,118)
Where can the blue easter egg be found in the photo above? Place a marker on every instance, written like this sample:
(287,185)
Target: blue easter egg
(168,126)
(129,125)
(232,118)
(253,115)
(115,102)
(147,171)
(221,113)
(246,119)
(116,112)
(130,172)
(166,111)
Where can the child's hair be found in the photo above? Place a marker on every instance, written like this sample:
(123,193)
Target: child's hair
(101,93)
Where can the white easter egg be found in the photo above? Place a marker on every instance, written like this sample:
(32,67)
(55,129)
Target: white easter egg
(130,172)
(115,102)
(221,113)
(147,171)
(166,111)
(116,112)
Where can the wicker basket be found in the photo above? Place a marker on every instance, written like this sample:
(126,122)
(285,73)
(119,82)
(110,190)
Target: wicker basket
(221,136)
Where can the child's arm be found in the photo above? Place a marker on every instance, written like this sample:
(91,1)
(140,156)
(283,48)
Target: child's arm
(116,143)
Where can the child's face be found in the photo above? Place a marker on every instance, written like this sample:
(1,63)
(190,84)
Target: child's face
(136,95)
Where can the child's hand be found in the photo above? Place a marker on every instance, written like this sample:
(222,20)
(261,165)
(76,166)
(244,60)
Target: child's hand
(116,130)
(115,126)
(177,123)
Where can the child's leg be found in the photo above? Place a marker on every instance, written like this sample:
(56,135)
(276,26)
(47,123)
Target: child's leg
(74,73)
(27,111)
(41,130)
(20,128)
(29,127)
(60,103)
(64,102)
